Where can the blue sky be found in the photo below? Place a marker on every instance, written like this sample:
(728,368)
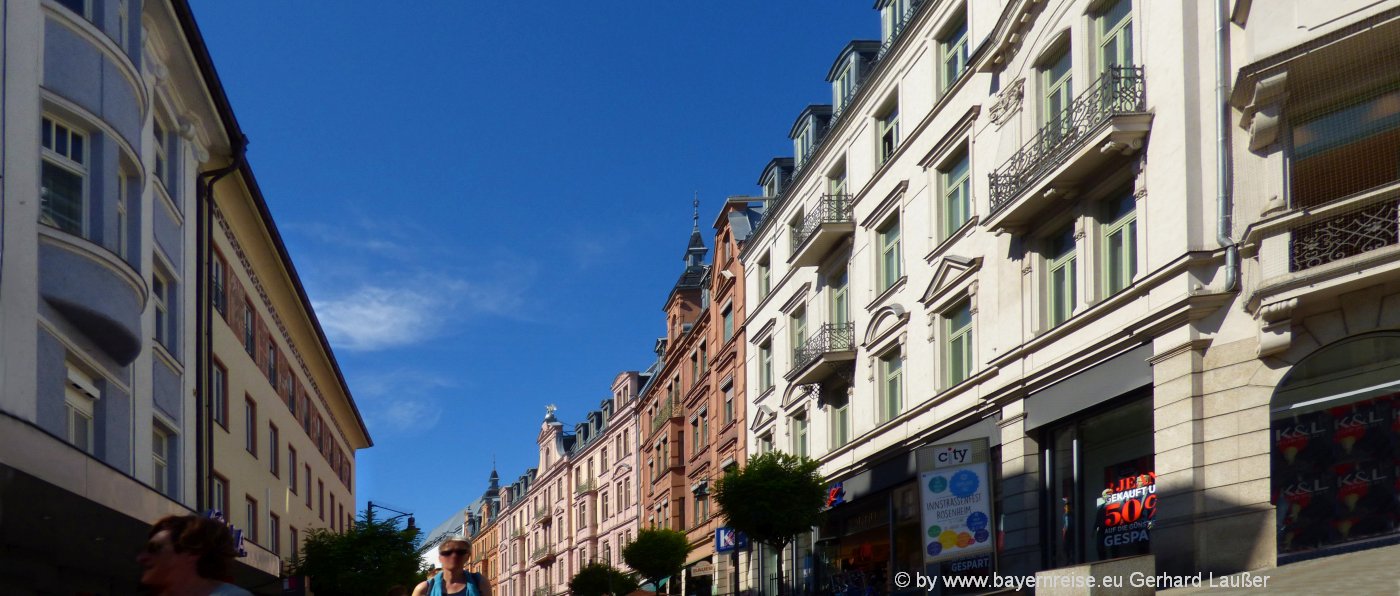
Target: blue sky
(489,201)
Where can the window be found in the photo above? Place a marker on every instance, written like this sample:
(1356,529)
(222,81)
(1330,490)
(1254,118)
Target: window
(890,266)
(274,533)
(702,508)
(952,53)
(956,187)
(79,397)
(626,493)
(893,15)
(333,518)
(218,497)
(728,321)
(63,177)
(605,505)
(1061,294)
(272,364)
(695,441)
(307,475)
(839,418)
(1351,146)
(799,434)
(161,450)
(957,352)
(1120,244)
(888,131)
(250,343)
(729,403)
(321,499)
(122,191)
(274,449)
(891,385)
(603,457)
(797,327)
(218,393)
(765,276)
(839,284)
(694,368)
(291,397)
(1058,93)
(162,142)
(704,357)
(251,519)
(802,144)
(765,366)
(292,469)
(161,295)
(1114,29)
(296,541)
(704,427)
(765,443)
(836,180)
(78,6)
(250,426)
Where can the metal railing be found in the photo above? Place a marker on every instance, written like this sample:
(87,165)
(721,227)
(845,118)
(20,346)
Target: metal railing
(542,553)
(543,514)
(830,209)
(1119,90)
(586,486)
(899,25)
(663,414)
(829,338)
(1343,236)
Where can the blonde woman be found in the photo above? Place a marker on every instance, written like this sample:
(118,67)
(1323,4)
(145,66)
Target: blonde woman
(454,580)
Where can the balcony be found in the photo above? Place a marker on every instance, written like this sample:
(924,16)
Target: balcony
(517,533)
(542,555)
(833,345)
(821,230)
(543,515)
(585,487)
(664,414)
(1104,123)
(1345,235)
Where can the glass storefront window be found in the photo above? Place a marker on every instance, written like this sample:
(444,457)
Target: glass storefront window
(1101,485)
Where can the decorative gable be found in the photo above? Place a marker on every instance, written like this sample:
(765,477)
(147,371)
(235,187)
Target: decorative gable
(949,275)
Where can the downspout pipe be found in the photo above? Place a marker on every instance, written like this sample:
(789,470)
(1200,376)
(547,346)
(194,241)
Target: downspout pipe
(1224,204)
(204,215)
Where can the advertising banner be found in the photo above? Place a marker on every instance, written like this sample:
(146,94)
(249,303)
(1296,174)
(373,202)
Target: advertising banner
(1127,507)
(956,499)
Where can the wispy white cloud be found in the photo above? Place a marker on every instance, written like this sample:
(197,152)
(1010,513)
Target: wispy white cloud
(379,316)
(404,414)
(402,399)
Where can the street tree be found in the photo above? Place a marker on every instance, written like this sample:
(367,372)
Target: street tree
(369,558)
(775,499)
(599,579)
(657,553)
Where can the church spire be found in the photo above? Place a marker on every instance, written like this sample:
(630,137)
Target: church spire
(695,251)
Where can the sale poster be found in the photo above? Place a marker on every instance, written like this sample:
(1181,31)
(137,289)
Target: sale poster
(956,512)
(1127,507)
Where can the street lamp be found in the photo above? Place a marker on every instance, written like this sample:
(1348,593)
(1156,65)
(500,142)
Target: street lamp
(370,508)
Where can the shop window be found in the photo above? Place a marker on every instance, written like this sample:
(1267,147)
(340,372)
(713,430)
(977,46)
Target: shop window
(1102,485)
(1333,454)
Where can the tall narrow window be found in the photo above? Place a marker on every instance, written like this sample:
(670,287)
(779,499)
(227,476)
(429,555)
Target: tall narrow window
(798,328)
(161,449)
(1120,245)
(63,178)
(888,130)
(729,403)
(161,297)
(891,385)
(765,276)
(839,282)
(218,497)
(122,191)
(952,52)
(162,169)
(218,393)
(765,366)
(890,265)
(79,397)
(250,426)
(958,349)
(251,519)
(1058,93)
(956,186)
(274,450)
(306,474)
(292,468)
(799,434)
(250,343)
(1061,267)
(1114,29)
(321,499)
(839,418)
(217,284)
(728,322)
(272,364)
(274,533)
(836,181)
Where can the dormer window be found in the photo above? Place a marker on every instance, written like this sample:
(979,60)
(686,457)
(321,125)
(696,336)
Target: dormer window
(802,144)
(893,16)
(843,87)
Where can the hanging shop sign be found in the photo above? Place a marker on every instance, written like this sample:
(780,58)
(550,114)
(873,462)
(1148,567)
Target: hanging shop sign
(1127,507)
(956,499)
(728,540)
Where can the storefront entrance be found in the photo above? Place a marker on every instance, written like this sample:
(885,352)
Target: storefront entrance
(1335,432)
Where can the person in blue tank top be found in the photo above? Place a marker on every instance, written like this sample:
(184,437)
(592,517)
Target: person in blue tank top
(454,580)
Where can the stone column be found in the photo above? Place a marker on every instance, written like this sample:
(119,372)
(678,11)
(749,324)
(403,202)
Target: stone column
(1020,487)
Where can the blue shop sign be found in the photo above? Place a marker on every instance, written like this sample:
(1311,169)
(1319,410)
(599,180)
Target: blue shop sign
(729,540)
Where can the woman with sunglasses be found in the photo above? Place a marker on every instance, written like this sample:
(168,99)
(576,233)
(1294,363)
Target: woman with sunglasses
(454,580)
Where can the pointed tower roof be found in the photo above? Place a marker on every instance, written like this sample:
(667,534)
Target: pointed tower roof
(695,251)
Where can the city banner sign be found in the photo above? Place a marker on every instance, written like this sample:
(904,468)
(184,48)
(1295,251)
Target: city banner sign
(956,502)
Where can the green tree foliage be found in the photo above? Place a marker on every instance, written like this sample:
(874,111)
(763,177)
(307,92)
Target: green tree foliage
(774,499)
(599,579)
(369,558)
(657,553)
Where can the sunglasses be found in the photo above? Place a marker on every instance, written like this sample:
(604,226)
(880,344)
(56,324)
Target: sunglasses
(448,553)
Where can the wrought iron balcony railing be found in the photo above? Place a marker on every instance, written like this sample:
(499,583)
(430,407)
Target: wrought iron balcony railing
(543,514)
(900,23)
(1119,90)
(1345,235)
(587,486)
(830,209)
(829,338)
(542,553)
(663,414)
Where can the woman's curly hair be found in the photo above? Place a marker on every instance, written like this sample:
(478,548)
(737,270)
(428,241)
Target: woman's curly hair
(208,538)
